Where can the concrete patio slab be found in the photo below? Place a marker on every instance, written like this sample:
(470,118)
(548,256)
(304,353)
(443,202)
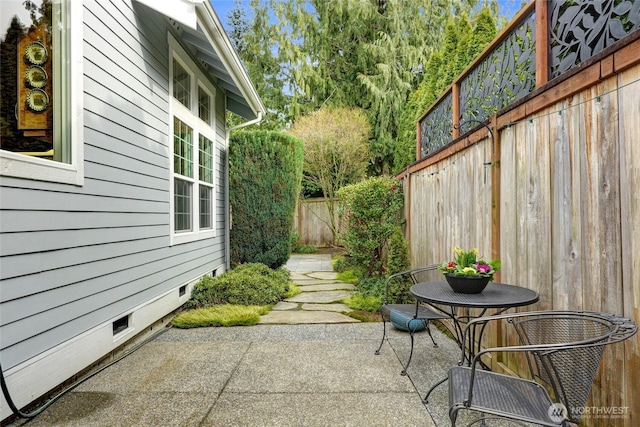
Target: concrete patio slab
(267,375)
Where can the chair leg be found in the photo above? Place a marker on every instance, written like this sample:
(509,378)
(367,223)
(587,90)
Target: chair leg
(412,331)
(435,344)
(404,371)
(384,334)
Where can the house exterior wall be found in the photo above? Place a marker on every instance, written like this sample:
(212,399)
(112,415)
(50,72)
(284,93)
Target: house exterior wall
(73,259)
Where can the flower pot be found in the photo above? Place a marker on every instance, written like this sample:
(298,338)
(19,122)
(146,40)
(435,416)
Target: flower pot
(467,284)
(399,321)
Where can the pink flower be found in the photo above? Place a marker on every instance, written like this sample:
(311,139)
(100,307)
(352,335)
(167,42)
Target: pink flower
(483,268)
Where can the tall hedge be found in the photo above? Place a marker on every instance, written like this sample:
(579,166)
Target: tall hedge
(265,174)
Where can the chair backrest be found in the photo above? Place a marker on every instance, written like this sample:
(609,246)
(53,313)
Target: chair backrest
(398,284)
(570,369)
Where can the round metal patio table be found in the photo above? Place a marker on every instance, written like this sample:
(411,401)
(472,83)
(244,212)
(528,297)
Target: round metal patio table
(499,296)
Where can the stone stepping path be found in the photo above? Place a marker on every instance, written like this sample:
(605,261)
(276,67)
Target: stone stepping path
(320,300)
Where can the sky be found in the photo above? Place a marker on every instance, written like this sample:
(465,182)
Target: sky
(8,8)
(508,8)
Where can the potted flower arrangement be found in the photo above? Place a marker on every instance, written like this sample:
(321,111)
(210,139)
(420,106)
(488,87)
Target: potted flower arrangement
(468,273)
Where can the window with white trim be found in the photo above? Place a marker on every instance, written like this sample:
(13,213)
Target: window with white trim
(41,133)
(193,150)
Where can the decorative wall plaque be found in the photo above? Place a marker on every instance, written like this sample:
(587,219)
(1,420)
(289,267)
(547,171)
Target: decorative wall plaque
(37,100)
(36,77)
(36,53)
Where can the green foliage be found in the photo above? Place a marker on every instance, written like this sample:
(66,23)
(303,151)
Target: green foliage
(304,249)
(340,264)
(299,248)
(373,286)
(348,276)
(265,174)
(398,259)
(399,290)
(247,284)
(220,315)
(372,212)
(292,292)
(368,303)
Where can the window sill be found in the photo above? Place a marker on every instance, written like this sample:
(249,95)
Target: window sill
(191,236)
(21,166)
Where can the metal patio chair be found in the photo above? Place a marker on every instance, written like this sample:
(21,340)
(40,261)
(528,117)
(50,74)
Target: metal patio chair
(411,317)
(563,350)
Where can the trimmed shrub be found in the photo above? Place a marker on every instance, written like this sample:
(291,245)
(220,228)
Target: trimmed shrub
(372,212)
(247,284)
(264,174)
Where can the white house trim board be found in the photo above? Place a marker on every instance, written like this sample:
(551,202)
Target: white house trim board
(183,11)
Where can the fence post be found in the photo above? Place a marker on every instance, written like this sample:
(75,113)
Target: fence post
(455,108)
(542,43)
(495,191)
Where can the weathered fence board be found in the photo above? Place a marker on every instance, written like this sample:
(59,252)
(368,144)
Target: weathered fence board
(569,216)
(311,222)
(629,116)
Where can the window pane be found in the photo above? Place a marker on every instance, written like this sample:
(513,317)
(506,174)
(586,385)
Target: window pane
(182,205)
(34,81)
(182,148)
(205,206)
(204,105)
(206,160)
(181,84)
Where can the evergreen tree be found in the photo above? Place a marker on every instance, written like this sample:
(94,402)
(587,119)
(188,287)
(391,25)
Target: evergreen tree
(9,83)
(237,21)
(463,41)
(365,54)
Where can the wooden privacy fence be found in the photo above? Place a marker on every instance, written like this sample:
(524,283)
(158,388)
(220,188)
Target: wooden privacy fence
(311,221)
(554,195)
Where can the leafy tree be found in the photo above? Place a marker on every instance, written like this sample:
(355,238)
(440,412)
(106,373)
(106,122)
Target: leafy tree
(335,152)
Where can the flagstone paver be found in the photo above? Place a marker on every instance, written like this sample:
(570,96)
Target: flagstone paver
(299,317)
(340,308)
(321,296)
(328,287)
(324,275)
(284,306)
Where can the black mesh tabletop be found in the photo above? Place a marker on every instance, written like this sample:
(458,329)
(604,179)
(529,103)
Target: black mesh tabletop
(495,295)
